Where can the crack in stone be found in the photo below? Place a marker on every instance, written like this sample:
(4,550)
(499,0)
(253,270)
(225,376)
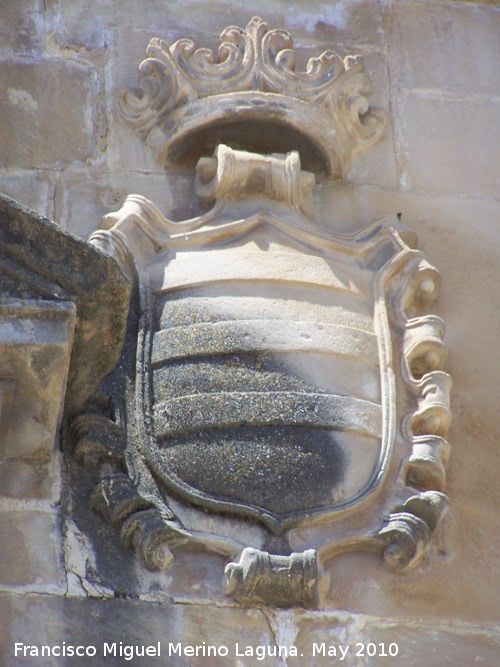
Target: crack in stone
(266,613)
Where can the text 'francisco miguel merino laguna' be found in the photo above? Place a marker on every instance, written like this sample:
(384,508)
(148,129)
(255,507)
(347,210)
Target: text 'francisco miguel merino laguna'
(131,651)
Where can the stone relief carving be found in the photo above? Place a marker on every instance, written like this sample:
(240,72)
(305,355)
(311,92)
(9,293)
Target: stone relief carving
(188,95)
(265,379)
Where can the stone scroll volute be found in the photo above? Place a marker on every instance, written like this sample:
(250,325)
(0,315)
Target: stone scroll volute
(269,349)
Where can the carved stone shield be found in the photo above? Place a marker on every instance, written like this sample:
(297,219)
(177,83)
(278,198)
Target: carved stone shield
(264,381)
(263,373)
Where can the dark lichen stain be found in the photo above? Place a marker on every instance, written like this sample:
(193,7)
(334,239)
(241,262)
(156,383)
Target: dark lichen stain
(243,372)
(279,469)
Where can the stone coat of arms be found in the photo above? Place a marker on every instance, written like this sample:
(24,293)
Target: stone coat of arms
(283,394)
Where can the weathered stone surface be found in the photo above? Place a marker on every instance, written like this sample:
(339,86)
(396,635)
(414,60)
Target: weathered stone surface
(25,481)
(35,348)
(48,113)
(96,554)
(177,627)
(250,637)
(31,552)
(435,645)
(86,195)
(22,28)
(125,151)
(58,266)
(439,48)
(33,187)
(370,641)
(353,25)
(315,635)
(77,26)
(377,167)
(438,162)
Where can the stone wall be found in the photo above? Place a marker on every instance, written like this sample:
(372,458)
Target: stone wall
(66,154)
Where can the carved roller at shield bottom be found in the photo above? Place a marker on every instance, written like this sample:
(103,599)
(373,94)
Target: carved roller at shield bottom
(279,581)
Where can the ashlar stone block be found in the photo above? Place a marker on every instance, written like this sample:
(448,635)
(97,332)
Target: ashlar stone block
(187,634)
(451,144)
(76,24)
(22,27)
(440,46)
(364,641)
(47,117)
(35,346)
(86,195)
(85,24)
(22,480)
(352,24)
(433,644)
(30,552)
(31,186)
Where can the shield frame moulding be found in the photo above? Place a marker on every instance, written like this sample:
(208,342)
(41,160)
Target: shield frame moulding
(352,414)
(258,199)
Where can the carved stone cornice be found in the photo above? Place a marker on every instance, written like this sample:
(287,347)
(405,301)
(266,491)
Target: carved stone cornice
(63,312)
(190,94)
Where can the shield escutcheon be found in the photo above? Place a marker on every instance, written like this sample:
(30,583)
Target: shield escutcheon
(264,375)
